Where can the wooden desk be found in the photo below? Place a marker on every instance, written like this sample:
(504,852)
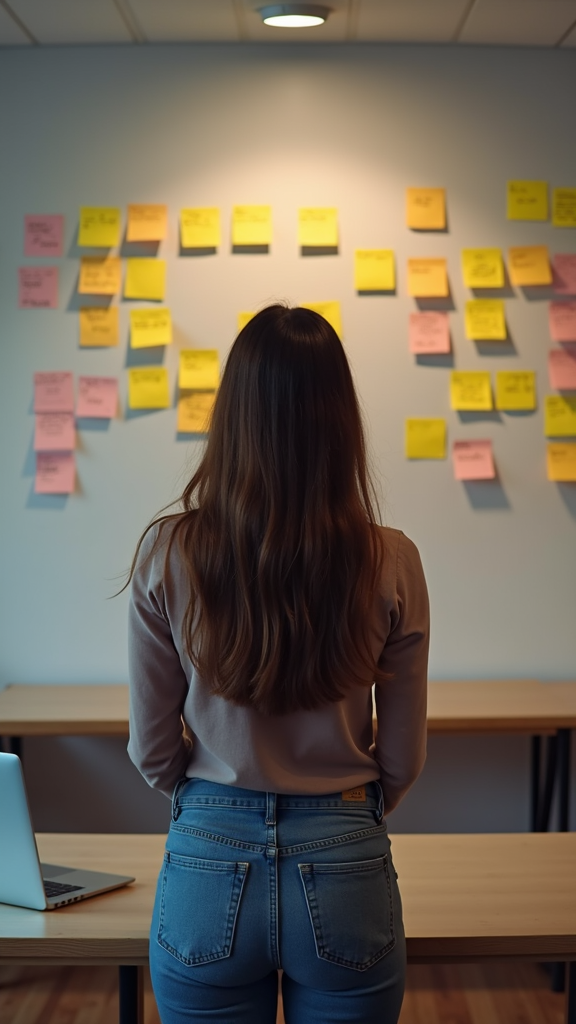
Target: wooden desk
(67,710)
(466,898)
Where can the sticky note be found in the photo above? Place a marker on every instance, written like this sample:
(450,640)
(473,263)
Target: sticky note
(38,288)
(200,227)
(562,321)
(147,222)
(529,265)
(148,388)
(425,438)
(251,225)
(243,319)
(427,278)
(54,431)
(560,416)
(426,209)
(485,320)
(318,227)
(428,332)
(515,389)
(564,273)
(473,460)
(194,411)
(330,311)
(99,275)
(527,200)
(97,397)
(561,461)
(483,268)
(470,391)
(374,270)
(145,279)
(199,369)
(99,226)
(98,326)
(43,234)
(562,368)
(54,391)
(564,207)
(55,473)
(150,327)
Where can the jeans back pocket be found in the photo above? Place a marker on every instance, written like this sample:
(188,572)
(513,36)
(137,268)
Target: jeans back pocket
(198,907)
(351,911)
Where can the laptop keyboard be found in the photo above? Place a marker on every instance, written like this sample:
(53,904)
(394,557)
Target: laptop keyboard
(59,888)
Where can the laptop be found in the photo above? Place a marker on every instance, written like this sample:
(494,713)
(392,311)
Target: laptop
(24,881)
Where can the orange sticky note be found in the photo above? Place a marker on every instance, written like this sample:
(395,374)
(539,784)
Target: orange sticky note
(146,222)
(427,278)
(99,275)
(194,411)
(529,265)
(98,326)
(426,209)
(561,461)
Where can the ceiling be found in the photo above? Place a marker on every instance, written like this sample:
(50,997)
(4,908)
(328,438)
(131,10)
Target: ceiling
(548,23)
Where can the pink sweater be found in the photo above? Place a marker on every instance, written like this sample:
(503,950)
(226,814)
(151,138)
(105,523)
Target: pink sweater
(323,751)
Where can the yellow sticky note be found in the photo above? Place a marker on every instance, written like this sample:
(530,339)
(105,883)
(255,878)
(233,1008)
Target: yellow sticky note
(200,227)
(427,278)
(243,319)
(470,391)
(425,438)
(527,200)
(483,268)
(148,388)
(564,207)
(318,226)
(330,311)
(149,327)
(485,320)
(194,411)
(145,279)
(374,270)
(199,369)
(515,389)
(99,275)
(560,416)
(529,265)
(561,461)
(147,222)
(98,326)
(251,225)
(99,226)
(426,208)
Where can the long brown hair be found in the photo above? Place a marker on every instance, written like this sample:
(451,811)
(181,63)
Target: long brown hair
(277,535)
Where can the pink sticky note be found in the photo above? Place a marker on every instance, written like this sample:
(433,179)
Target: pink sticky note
(43,234)
(38,287)
(97,396)
(54,432)
(53,392)
(55,473)
(562,320)
(428,332)
(564,273)
(562,368)
(472,460)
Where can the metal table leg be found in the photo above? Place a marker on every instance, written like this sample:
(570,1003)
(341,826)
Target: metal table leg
(131,994)
(563,779)
(570,1015)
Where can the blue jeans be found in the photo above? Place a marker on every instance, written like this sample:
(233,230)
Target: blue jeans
(256,882)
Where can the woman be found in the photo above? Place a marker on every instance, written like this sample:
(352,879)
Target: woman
(261,614)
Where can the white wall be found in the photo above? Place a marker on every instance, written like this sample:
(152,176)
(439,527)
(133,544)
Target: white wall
(344,126)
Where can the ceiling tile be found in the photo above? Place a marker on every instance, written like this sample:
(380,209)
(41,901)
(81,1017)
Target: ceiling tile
(410,21)
(72,21)
(518,22)
(184,21)
(10,33)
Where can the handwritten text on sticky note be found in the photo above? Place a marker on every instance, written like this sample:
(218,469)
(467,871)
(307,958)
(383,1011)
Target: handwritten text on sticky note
(55,473)
(98,326)
(99,275)
(561,461)
(527,200)
(560,416)
(99,226)
(318,227)
(564,207)
(473,460)
(147,222)
(374,270)
(97,397)
(38,288)
(54,431)
(251,225)
(428,333)
(562,321)
(529,265)
(199,369)
(485,320)
(148,388)
(564,273)
(483,268)
(515,390)
(149,327)
(425,438)
(426,209)
(427,278)
(470,391)
(562,368)
(194,411)
(54,391)
(43,234)
(200,227)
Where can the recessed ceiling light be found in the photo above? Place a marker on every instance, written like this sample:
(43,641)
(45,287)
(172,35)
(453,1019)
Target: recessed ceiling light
(294,15)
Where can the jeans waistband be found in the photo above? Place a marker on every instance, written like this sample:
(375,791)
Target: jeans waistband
(200,792)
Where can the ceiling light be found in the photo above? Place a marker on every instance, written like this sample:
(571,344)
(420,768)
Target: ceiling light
(294,15)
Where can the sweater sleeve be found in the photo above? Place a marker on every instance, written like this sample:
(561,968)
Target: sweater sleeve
(400,742)
(158,684)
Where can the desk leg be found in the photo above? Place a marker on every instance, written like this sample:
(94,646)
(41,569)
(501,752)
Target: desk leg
(536,757)
(563,779)
(570,1016)
(131,994)
(545,803)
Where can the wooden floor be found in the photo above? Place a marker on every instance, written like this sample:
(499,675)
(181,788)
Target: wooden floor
(468,994)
